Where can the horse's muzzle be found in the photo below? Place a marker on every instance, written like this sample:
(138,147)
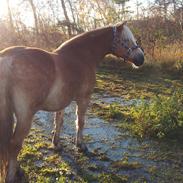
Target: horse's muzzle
(138,60)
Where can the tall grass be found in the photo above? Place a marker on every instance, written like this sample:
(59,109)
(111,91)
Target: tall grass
(170,52)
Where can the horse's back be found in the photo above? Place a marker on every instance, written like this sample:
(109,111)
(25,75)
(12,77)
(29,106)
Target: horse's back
(30,73)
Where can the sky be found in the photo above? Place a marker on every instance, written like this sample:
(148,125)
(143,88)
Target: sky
(3,7)
(132,4)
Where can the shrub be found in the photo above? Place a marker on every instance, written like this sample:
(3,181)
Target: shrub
(160,117)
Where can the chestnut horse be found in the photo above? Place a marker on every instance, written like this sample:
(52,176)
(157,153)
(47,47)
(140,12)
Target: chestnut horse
(32,79)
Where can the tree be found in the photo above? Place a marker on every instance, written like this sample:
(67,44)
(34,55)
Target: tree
(10,15)
(66,17)
(72,11)
(138,4)
(35,16)
(163,7)
(122,3)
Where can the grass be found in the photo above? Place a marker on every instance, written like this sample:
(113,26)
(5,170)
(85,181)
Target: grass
(111,112)
(161,112)
(161,117)
(41,164)
(111,178)
(126,165)
(169,53)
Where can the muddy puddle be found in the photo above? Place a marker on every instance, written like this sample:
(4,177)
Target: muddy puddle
(116,152)
(107,99)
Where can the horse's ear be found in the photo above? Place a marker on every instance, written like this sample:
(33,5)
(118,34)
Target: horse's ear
(120,26)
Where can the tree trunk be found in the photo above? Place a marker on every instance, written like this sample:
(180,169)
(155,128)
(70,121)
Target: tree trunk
(102,12)
(66,17)
(72,11)
(35,16)
(165,8)
(174,7)
(10,16)
(137,6)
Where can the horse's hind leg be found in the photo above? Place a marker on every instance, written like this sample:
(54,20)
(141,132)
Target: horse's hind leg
(58,122)
(82,105)
(6,132)
(22,129)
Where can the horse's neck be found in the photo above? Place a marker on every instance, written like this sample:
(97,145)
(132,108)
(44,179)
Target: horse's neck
(91,46)
(101,43)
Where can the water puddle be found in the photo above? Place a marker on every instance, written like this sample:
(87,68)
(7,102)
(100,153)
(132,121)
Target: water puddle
(107,99)
(116,150)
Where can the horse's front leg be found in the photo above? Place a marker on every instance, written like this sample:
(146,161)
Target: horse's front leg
(81,109)
(58,122)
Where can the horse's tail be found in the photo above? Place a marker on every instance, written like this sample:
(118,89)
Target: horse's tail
(6,123)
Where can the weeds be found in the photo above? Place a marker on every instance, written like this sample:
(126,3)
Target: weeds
(41,164)
(111,112)
(161,117)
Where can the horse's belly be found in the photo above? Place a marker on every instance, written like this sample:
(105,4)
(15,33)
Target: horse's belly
(55,105)
(57,98)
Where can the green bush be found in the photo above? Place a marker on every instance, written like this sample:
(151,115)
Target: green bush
(160,117)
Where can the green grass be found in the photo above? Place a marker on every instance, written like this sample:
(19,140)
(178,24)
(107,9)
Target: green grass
(111,178)
(161,117)
(110,112)
(41,164)
(126,165)
(159,86)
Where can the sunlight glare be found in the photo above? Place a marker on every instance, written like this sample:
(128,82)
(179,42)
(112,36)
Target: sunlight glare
(3,8)
(26,16)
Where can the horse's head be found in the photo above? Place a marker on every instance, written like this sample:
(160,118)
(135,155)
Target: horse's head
(125,45)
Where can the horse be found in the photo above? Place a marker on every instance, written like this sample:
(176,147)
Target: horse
(32,79)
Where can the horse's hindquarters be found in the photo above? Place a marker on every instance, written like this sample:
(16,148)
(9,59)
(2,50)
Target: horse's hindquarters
(32,74)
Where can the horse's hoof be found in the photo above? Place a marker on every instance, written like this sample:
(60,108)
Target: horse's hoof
(20,172)
(82,147)
(9,181)
(57,147)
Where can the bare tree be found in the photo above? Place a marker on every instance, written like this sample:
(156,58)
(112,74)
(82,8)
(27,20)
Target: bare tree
(35,16)
(66,17)
(122,3)
(163,7)
(138,4)
(72,11)
(10,15)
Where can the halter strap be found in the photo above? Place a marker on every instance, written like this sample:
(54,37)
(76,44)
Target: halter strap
(115,38)
(117,42)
